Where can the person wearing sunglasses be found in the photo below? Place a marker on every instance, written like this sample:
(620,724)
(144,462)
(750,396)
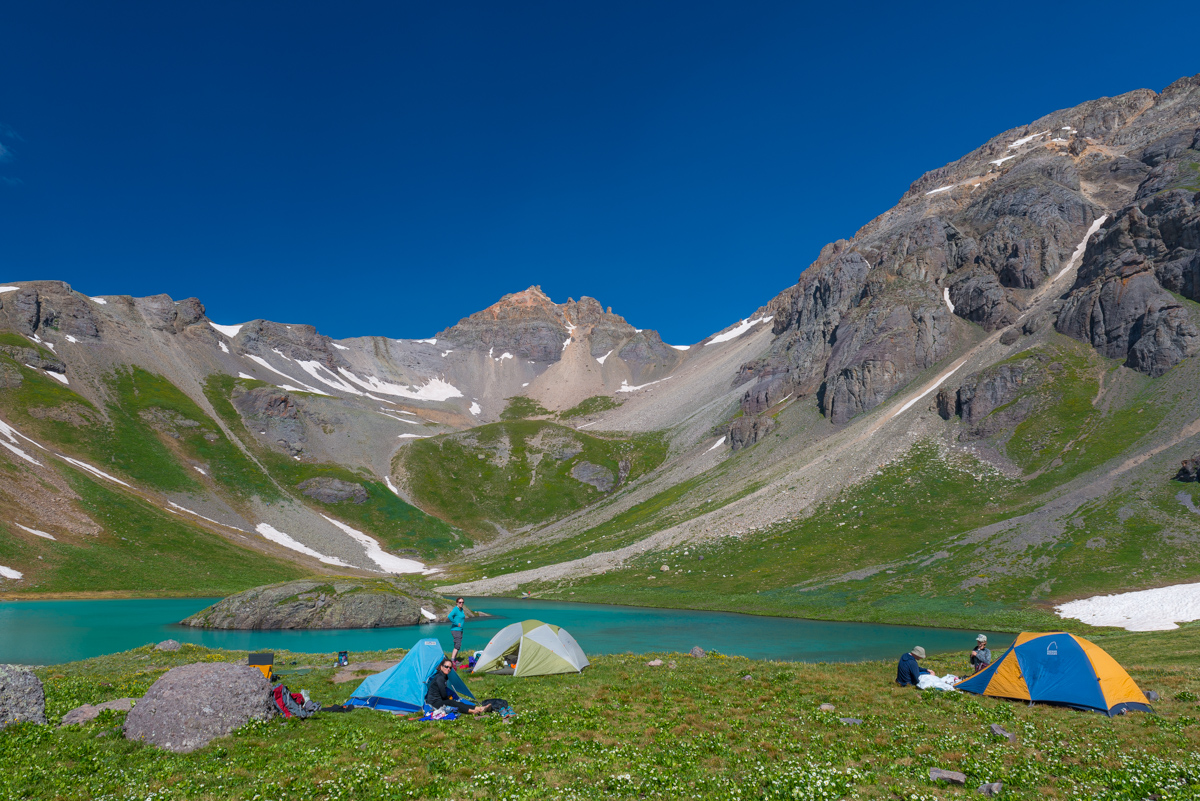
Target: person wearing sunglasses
(440,695)
(457,617)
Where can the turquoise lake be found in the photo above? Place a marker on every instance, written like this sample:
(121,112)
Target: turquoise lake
(52,632)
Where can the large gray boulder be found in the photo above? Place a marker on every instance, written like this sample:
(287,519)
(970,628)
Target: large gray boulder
(22,699)
(342,603)
(190,706)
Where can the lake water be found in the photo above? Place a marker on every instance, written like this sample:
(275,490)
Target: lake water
(52,632)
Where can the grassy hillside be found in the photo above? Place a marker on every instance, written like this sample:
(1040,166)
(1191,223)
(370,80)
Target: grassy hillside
(142,551)
(398,525)
(719,727)
(520,472)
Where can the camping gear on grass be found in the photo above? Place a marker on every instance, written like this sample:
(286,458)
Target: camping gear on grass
(929,681)
(539,649)
(1059,668)
(263,661)
(294,705)
(401,688)
(343,659)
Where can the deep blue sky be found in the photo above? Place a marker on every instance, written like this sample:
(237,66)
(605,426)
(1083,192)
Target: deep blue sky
(387,168)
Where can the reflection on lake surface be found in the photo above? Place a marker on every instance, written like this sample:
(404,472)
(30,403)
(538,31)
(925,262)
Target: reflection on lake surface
(51,632)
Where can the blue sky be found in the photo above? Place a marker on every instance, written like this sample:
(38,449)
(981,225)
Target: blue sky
(387,168)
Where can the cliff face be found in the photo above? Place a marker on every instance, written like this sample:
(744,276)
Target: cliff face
(978,238)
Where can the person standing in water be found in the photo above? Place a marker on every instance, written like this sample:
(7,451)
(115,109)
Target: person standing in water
(456,617)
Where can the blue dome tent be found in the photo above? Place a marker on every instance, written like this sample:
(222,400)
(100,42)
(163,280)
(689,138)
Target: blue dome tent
(401,688)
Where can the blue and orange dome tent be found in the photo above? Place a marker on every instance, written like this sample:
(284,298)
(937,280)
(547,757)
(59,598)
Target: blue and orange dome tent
(1059,668)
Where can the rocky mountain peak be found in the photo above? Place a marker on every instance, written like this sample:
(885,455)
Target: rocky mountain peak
(531,326)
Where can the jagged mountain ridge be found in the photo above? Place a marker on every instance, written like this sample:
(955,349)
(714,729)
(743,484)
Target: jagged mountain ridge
(982,261)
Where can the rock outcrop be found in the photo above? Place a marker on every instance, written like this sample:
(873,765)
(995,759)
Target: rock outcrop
(190,706)
(333,490)
(334,604)
(1122,301)
(22,698)
(979,397)
(746,430)
(596,475)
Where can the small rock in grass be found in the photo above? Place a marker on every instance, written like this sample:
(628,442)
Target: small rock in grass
(654,663)
(1151,695)
(671,664)
(697,652)
(747,677)
(22,698)
(952,776)
(665,568)
(851,721)
(991,789)
(999,731)
(167,645)
(87,712)
(826,707)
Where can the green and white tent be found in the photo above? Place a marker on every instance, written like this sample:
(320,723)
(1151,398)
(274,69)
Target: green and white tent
(541,649)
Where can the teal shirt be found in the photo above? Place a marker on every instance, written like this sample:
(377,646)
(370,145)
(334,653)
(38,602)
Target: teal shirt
(457,616)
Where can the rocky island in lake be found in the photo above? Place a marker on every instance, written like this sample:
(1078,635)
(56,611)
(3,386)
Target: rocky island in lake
(340,603)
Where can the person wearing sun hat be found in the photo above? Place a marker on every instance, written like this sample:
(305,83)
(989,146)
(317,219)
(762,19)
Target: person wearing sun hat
(981,657)
(909,671)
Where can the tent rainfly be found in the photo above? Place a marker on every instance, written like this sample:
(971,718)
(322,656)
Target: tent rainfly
(401,688)
(1059,668)
(541,649)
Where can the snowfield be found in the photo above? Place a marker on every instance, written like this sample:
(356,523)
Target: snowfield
(1144,610)
(277,536)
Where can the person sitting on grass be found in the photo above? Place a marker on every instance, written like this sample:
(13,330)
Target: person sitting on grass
(439,695)
(981,657)
(909,671)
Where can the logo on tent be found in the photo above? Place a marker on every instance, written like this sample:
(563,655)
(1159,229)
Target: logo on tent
(1052,648)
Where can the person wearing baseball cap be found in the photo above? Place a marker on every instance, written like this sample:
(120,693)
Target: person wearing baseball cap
(981,657)
(909,671)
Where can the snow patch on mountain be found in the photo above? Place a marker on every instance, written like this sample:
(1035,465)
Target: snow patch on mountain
(738,330)
(230,331)
(436,389)
(278,537)
(389,563)
(36,533)
(1159,609)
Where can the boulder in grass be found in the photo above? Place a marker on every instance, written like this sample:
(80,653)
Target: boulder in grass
(826,707)
(697,652)
(190,706)
(654,663)
(88,712)
(851,721)
(167,645)
(952,776)
(991,789)
(22,699)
